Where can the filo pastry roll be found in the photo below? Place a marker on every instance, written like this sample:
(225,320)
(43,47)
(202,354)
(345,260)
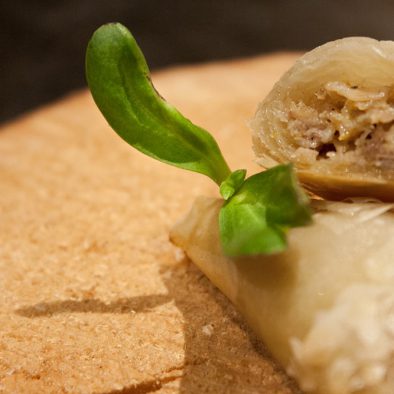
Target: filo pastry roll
(325,307)
(332,115)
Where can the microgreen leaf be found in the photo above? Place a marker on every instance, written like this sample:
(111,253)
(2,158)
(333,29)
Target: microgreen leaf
(257,212)
(118,78)
(232,183)
(255,220)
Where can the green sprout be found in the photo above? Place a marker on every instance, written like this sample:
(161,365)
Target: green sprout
(257,211)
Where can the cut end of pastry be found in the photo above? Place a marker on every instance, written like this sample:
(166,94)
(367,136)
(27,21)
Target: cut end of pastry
(332,115)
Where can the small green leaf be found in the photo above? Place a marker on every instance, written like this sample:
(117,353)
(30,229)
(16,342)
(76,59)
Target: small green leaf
(254,221)
(258,211)
(245,231)
(230,185)
(118,78)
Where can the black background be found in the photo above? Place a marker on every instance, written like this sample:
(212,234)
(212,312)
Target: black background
(42,43)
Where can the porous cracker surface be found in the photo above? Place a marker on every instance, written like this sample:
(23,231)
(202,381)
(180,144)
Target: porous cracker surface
(93,296)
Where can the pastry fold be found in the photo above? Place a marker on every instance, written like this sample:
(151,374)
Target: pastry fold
(325,307)
(332,115)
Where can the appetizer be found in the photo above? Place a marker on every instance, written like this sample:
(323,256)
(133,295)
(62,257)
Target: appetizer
(332,115)
(313,278)
(325,306)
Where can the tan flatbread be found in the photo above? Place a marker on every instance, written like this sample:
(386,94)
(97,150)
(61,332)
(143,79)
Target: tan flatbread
(93,296)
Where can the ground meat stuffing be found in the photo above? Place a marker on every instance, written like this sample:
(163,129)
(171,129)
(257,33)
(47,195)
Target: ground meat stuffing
(346,123)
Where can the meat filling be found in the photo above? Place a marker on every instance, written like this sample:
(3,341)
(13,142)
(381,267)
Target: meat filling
(346,124)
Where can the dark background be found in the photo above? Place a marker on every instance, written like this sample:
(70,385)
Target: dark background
(42,42)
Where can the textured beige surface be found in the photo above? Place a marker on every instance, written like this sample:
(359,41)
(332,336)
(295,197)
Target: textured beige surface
(93,296)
